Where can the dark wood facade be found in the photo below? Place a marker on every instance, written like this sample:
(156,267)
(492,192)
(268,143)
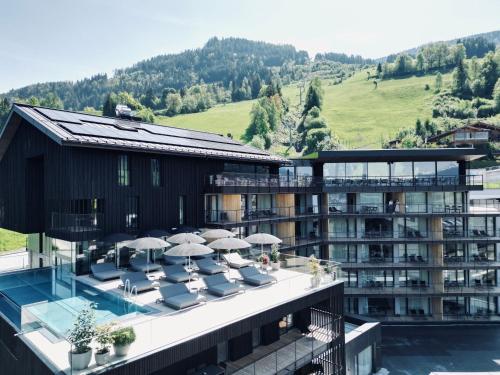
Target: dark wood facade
(54,189)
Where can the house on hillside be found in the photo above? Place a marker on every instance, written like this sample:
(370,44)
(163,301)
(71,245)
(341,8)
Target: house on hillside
(468,135)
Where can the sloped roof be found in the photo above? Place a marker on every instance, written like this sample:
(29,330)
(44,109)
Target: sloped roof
(79,129)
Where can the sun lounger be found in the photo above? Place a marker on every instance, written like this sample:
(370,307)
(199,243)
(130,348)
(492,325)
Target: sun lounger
(175,273)
(220,286)
(139,280)
(105,271)
(253,276)
(141,264)
(178,296)
(170,260)
(207,266)
(235,260)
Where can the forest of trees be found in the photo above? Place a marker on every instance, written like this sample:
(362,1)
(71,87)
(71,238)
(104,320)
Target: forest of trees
(344,58)
(224,70)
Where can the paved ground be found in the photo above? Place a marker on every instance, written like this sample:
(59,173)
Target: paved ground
(13,261)
(421,350)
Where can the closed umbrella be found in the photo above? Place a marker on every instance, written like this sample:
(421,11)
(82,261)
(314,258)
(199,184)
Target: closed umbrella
(185,237)
(147,243)
(214,234)
(189,249)
(263,239)
(229,244)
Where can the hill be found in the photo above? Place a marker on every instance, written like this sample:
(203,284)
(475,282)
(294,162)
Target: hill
(226,62)
(354,110)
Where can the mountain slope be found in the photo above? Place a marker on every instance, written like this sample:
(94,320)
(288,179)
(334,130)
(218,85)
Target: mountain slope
(218,61)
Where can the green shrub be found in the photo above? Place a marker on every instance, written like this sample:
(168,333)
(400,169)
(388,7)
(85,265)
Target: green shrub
(123,336)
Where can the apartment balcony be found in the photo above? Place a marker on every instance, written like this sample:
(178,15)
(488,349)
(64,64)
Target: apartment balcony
(420,288)
(75,226)
(293,350)
(238,183)
(431,264)
(413,210)
(231,218)
(420,315)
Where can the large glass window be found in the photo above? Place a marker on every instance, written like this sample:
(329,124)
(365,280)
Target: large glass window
(343,253)
(182,209)
(337,202)
(371,202)
(378,170)
(155,173)
(336,170)
(356,170)
(304,171)
(447,168)
(132,215)
(415,202)
(363,362)
(123,171)
(424,168)
(402,169)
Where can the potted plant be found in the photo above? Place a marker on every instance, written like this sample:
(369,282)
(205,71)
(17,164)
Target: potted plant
(80,337)
(315,269)
(122,339)
(275,257)
(104,339)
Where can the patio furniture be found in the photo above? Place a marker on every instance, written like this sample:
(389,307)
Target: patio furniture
(178,296)
(253,276)
(208,266)
(105,271)
(171,260)
(220,286)
(235,260)
(175,273)
(138,281)
(142,264)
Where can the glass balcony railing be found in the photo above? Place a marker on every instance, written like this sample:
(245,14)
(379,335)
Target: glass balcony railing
(67,222)
(279,181)
(258,214)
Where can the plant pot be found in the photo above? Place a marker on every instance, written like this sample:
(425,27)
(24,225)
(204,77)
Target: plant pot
(315,280)
(80,361)
(275,266)
(102,358)
(121,350)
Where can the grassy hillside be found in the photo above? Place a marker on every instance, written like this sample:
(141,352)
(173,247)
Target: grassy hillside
(11,240)
(355,111)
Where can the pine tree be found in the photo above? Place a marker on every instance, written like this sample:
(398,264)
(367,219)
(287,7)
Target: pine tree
(438,82)
(314,96)
(460,85)
(379,69)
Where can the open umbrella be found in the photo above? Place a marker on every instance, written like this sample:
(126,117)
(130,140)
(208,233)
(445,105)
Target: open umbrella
(116,238)
(185,237)
(214,234)
(262,239)
(147,243)
(229,244)
(189,249)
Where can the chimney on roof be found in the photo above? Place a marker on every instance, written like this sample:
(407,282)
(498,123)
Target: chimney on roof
(123,111)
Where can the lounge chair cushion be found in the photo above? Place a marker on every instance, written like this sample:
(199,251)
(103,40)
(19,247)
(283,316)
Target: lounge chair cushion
(105,271)
(138,279)
(252,276)
(140,264)
(225,289)
(178,296)
(236,261)
(175,273)
(209,267)
(170,260)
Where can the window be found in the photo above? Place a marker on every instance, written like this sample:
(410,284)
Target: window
(447,168)
(402,169)
(182,209)
(334,170)
(378,170)
(131,216)
(123,171)
(356,170)
(155,173)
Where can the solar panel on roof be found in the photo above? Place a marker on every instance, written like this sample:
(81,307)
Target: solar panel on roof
(55,115)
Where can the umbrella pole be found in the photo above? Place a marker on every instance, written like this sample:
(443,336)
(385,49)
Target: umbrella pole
(262,250)
(147,261)
(190,270)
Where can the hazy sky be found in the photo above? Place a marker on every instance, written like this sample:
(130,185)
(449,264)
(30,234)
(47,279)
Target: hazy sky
(68,39)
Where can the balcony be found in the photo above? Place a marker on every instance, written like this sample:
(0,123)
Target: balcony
(65,225)
(255,216)
(254,183)
(293,350)
(420,288)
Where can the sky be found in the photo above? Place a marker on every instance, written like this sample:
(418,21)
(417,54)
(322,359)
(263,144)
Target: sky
(53,40)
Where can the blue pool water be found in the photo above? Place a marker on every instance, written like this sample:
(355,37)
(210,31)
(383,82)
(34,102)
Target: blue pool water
(55,301)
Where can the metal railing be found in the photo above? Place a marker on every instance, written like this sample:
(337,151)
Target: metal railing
(420,287)
(259,214)
(280,181)
(76,222)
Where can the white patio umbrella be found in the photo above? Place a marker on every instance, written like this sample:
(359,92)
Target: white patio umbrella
(263,239)
(189,249)
(215,234)
(229,244)
(147,243)
(186,237)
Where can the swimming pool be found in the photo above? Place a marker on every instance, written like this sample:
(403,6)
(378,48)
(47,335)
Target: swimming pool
(44,297)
